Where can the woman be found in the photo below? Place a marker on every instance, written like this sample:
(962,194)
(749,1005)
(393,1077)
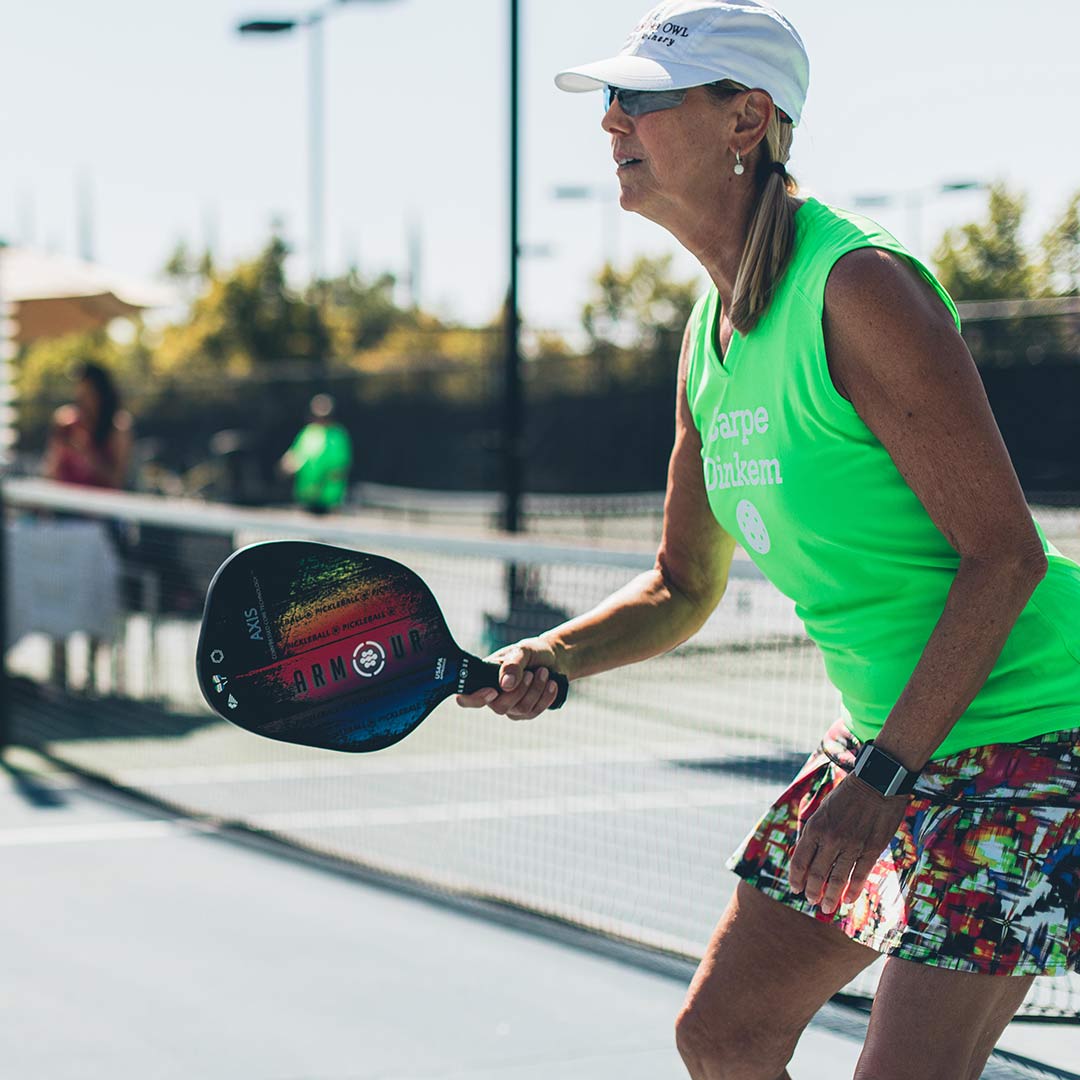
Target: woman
(830,418)
(90,440)
(89,444)
(319,459)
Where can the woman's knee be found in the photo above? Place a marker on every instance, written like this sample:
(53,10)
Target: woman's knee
(713,1050)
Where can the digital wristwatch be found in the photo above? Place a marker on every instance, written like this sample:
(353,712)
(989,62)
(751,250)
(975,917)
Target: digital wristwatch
(883,772)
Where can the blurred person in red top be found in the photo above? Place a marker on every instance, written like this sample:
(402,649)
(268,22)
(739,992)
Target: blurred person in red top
(89,444)
(90,439)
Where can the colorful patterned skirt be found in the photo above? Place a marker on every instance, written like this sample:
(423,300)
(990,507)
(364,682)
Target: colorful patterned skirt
(983,874)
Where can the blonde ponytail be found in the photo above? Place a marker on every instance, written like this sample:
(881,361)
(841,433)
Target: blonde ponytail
(771,239)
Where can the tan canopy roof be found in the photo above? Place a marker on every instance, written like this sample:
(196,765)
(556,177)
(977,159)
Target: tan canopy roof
(57,294)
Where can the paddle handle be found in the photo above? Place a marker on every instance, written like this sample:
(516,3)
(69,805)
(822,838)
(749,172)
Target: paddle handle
(481,675)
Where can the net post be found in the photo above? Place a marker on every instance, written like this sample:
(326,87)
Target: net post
(511,405)
(512,409)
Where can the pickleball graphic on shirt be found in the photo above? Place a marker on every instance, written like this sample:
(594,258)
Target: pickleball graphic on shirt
(753,527)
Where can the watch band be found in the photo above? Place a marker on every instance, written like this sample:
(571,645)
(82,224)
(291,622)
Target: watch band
(883,772)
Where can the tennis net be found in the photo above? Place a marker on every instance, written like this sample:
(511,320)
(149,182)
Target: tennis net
(616,814)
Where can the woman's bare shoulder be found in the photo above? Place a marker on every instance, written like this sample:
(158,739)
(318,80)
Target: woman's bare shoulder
(66,416)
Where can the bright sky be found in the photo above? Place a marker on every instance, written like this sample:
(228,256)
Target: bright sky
(180,129)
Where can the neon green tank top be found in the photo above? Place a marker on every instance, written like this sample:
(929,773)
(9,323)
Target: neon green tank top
(324,455)
(793,473)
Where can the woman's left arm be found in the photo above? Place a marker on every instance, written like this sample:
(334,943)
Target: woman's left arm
(115,471)
(894,352)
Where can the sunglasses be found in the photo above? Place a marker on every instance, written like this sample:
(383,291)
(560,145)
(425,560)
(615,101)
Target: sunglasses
(640,102)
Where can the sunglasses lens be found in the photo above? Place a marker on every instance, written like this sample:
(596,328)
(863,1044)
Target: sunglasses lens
(647,101)
(640,102)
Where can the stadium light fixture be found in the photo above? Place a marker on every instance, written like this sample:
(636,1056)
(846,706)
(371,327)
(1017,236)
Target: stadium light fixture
(312,22)
(915,199)
(266,26)
(964,185)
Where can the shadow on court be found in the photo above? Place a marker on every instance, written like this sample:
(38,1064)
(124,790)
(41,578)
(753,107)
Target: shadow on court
(43,714)
(28,787)
(774,769)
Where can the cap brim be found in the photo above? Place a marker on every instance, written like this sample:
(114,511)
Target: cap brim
(632,73)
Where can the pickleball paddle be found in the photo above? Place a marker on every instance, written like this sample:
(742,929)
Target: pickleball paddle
(322,646)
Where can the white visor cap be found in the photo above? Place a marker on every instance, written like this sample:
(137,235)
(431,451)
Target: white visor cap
(684,43)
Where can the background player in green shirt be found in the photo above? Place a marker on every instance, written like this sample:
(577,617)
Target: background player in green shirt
(319,459)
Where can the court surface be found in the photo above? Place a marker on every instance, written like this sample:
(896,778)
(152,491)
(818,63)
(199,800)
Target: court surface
(143,946)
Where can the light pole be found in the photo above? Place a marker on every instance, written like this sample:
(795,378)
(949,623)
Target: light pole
(915,199)
(513,452)
(312,22)
(609,197)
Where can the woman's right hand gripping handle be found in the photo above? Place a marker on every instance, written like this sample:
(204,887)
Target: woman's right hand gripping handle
(526,686)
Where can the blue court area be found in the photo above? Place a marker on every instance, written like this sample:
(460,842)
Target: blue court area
(139,944)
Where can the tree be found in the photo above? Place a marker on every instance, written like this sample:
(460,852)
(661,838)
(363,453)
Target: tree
(178,266)
(362,313)
(244,319)
(988,260)
(637,308)
(184,267)
(633,321)
(1061,249)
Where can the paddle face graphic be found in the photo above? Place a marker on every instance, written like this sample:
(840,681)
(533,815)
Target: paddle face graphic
(317,645)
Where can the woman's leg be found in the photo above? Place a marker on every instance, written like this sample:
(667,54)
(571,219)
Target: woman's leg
(936,1024)
(767,970)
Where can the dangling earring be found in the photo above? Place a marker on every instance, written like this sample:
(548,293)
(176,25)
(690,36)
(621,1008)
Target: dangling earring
(739,167)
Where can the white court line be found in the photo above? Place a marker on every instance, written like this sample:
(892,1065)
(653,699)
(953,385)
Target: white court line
(359,817)
(495,809)
(102,830)
(267,771)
